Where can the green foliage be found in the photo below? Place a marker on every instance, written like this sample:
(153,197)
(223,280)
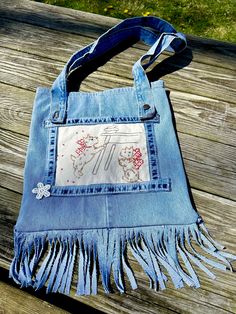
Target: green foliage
(205,18)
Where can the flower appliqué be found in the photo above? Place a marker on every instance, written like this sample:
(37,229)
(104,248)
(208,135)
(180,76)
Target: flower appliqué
(42,190)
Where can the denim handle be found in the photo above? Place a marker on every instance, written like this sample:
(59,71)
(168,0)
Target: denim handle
(173,42)
(167,39)
(110,40)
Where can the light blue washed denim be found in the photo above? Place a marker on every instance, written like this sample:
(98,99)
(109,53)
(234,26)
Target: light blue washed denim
(101,220)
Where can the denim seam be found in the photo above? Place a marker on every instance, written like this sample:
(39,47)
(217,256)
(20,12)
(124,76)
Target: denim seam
(152,152)
(107,211)
(161,184)
(120,90)
(113,227)
(52,154)
(94,120)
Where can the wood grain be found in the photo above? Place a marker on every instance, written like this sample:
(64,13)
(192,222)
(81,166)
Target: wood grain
(15,301)
(31,68)
(57,45)
(35,42)
(204,117)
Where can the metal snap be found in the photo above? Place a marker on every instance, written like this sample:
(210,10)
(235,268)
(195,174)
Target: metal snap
(146,106)
(56,115)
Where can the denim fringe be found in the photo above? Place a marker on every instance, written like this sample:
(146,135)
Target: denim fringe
(49,257)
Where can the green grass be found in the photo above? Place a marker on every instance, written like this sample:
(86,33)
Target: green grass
(206,18)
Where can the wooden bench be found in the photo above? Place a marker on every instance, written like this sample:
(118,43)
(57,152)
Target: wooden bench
(35,42)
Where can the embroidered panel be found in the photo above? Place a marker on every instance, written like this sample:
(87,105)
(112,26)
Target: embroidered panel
(102,153)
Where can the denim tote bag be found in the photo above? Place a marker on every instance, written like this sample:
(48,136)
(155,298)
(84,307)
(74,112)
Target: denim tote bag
(104,174)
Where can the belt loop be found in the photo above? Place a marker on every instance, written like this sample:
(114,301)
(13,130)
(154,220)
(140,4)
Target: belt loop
(58,99)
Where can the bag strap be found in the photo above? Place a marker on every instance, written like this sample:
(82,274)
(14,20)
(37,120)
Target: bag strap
(111,40)
(166,39)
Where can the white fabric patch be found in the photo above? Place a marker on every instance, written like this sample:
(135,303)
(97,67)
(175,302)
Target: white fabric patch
(102,153)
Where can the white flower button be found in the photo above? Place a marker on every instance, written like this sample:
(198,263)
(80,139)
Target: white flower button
(42,190)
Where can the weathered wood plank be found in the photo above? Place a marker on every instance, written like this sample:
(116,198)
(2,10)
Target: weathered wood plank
(219,295)
(60,47)
(216,181)
(13,300)
(204,117)
(209,153)
(15,109)
(92,25)
(31,71)
(72,21)
(197,81)
(27,300)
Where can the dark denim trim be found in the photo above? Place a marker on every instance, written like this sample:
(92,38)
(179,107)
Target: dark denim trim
(94,120)
(163,184)
(152,151)
(52,156)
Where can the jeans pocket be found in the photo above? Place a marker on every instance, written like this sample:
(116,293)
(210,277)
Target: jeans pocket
(104,158)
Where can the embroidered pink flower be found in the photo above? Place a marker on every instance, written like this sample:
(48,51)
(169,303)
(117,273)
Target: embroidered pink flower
(41,190)
(137,160)
(82,146)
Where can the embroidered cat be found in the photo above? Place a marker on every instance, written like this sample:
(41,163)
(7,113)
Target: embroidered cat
(85,153)
(130,160)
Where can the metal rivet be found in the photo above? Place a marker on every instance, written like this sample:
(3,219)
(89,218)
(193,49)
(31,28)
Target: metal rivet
(56,115)
(146,106)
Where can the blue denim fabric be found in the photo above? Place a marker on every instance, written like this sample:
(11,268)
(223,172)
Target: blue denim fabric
(141,206)
(99,211)
(104,216)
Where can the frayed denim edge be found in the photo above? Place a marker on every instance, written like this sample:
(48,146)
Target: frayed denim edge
(158,249)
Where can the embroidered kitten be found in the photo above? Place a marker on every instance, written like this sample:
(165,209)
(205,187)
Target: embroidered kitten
(85,152)
(130,160)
